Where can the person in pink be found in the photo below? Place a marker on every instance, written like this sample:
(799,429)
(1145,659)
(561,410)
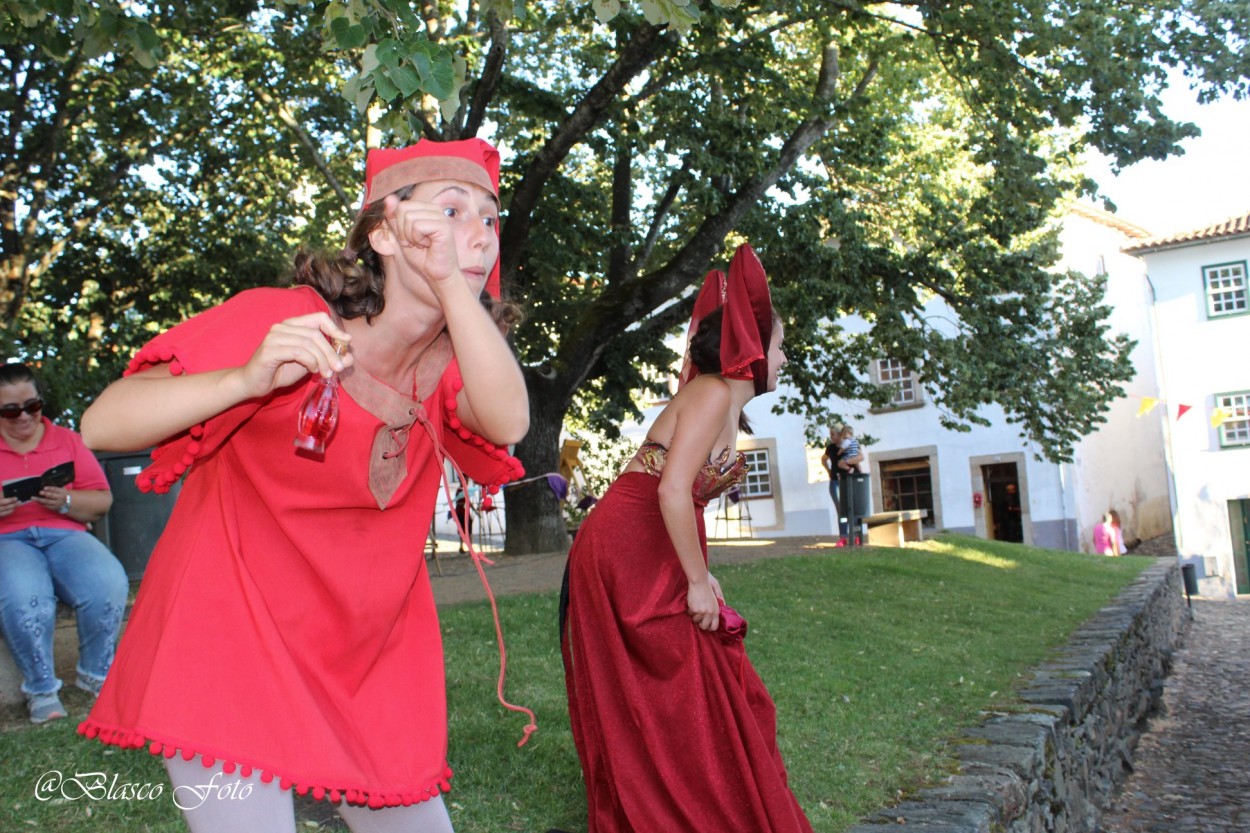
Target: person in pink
(285,640)
(1105,537)
(46,552)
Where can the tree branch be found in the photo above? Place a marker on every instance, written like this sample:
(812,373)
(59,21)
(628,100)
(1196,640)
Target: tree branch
(43,157)
(622,203)
(626,302)
(310,145)
(661,212)
(642,49)
(491,77)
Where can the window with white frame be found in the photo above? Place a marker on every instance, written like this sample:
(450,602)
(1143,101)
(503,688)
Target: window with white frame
(759,482)
(894,374)
(1235,429)
(1226,289)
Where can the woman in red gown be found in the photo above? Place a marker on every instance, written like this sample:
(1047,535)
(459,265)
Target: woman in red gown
(285,638)
(674,728)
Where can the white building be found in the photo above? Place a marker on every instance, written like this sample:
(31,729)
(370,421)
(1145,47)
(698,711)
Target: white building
(1202,329)
(988,481)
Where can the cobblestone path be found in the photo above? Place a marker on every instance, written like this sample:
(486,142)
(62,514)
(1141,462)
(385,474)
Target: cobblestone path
(1192,767)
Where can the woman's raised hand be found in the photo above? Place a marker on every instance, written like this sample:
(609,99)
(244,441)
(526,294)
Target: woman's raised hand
(426,237)
(291,350)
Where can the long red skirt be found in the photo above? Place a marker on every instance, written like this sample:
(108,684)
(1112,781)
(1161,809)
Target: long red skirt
(674,728)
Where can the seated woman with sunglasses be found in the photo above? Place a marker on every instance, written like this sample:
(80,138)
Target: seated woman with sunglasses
(46,552)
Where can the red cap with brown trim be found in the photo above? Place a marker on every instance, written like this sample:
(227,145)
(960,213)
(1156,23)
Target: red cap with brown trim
(469,160)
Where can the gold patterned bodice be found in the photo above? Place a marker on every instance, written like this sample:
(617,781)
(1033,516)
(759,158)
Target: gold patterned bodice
(715,477)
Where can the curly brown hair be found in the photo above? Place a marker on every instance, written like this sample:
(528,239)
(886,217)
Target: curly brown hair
(352,280)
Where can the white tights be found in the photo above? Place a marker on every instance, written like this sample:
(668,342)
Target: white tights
(213,802)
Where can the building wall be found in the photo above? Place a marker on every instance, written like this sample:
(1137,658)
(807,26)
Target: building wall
(1121,466)
(1201,357)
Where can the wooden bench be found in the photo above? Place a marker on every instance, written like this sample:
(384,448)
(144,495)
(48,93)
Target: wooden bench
(893,529)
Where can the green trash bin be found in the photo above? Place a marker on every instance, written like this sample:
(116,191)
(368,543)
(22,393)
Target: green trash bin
(136,519)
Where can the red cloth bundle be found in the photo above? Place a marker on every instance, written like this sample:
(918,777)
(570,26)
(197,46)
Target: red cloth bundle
(733,628)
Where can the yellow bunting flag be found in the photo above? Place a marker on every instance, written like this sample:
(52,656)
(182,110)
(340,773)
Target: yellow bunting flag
(1147,405)
(1218,417)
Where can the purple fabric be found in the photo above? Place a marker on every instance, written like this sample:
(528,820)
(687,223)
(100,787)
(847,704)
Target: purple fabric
(558,485)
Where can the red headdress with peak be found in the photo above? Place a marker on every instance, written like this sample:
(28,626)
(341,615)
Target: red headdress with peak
(469,160)
(746,322)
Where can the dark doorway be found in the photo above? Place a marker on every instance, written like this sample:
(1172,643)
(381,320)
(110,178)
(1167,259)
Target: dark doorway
(1239,523)
(1003,515)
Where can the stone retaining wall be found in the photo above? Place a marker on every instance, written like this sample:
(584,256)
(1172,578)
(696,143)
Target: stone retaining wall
(1053,765)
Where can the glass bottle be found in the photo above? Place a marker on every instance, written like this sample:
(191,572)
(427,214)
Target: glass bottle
(319,412)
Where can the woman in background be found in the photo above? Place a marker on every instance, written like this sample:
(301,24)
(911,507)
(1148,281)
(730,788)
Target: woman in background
(1105,538)
(46,552)
(673,727)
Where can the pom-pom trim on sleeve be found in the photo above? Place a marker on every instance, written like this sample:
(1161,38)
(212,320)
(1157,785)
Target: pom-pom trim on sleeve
(488,464)
(172,458)
(357,794)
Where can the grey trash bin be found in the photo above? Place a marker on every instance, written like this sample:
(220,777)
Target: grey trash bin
(136,519)
(856,492)
(1189,573)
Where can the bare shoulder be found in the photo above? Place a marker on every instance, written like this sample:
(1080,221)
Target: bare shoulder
(702,399)
(705,399)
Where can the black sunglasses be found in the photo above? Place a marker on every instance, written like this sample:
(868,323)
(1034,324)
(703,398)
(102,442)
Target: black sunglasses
(14,410)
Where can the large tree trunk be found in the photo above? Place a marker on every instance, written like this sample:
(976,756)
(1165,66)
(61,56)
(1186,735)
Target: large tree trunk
(535,517)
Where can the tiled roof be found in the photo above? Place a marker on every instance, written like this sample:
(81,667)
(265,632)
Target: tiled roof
(1106,218)
(1232,227)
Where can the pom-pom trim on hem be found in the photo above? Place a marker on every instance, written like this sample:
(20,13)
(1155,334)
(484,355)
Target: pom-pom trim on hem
(358,795)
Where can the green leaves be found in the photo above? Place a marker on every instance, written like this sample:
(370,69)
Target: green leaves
(676,13)
(173,186)
(60,27)
(347,34)
(682,15)
(399,63)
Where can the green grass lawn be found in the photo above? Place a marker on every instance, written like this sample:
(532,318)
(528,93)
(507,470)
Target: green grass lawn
(876,658)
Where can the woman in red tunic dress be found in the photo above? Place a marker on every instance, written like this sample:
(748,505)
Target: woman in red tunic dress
(285,636)
(674,729)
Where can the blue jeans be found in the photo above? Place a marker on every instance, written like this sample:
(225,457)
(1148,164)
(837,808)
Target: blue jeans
(834,492)
(38,565)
